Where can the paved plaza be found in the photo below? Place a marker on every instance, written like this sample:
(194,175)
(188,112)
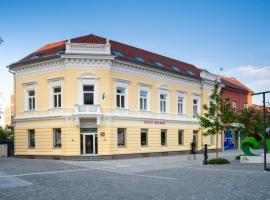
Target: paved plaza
(168,177)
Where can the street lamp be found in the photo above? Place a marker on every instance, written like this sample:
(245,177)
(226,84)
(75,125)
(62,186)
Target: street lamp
(264,129)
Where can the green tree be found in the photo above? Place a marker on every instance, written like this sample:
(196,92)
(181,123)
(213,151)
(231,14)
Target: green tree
(250,121)
(217,116)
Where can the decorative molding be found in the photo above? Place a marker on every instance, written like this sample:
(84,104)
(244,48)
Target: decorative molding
(29,84)
(121,81)
(58,79)
(88,48)
(134,69)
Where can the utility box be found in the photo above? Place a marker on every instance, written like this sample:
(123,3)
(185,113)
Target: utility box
(4,150)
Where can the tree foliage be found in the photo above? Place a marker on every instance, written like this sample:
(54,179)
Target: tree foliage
(217,116)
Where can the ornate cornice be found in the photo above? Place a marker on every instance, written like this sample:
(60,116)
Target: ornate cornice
(133,69)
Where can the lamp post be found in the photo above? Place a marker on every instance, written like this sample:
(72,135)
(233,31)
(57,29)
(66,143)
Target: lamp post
(264,129)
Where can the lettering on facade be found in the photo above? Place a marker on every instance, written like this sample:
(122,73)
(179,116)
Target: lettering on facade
(154,122)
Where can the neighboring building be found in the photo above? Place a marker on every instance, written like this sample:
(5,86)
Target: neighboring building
(92,96)
(240,96)
(8,114)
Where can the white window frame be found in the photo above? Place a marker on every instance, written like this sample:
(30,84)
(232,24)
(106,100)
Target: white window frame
(181,95)
(167,93)
(148,100)
(121,84)
(196,97)
(88,79)
(27,88)
(54,83)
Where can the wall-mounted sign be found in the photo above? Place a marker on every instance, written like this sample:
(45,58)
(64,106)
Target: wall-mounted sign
(154,122)
(102,134)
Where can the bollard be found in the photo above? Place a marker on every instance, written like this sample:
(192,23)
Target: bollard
(205,154)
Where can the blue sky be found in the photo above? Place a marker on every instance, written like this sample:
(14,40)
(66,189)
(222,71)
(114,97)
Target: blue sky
(232,34)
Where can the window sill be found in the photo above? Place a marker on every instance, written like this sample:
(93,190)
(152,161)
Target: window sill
(122,109)
(60,108)
(144,146)
(163,145)
(121,147)
(30,111)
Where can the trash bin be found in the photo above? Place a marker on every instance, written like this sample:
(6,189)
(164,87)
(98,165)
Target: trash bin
(3,150)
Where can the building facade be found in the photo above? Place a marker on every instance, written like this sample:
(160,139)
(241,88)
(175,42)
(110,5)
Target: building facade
(240,97)
(8,114)
(91,96)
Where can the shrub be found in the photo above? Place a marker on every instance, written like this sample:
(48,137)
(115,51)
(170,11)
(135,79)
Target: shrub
(218,161)
(238,157)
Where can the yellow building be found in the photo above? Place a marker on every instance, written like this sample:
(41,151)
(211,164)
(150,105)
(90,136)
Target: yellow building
(90,96)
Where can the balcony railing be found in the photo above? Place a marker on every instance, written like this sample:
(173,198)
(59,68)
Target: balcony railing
(87,109)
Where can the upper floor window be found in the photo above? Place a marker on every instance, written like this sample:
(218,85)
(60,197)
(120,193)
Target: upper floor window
(163,102)
(88,94)
(143,100)
(234,108)
(57,97)
(245,106)
(181,103)
(121,97)
(195,106)
(31,100)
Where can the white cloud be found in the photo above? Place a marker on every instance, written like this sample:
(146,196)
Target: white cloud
(256,78)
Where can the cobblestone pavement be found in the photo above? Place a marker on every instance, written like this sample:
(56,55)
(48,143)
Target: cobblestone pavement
(168,177)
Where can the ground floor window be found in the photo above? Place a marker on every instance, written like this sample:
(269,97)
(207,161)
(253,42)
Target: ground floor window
(121,137)
(57,138)
(31,138)
(180,137)
(163,136)
(144,137)
(212,139)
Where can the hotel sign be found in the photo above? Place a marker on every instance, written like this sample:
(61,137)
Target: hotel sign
(154,122)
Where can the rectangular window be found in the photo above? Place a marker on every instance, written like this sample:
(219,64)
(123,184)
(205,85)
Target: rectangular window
(180,137)
(143,100)
(163,136)
(180,105)
(121,137)
(120,97)
(57,97)
(31,138)
(212,139)
(57,138)
(88,94)
(195,107)
(163,102)
(245,106)
(31,100)
(234,110)
(144,137)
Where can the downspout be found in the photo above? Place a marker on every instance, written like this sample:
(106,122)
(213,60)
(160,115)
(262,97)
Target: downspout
(14,93)
(201,106)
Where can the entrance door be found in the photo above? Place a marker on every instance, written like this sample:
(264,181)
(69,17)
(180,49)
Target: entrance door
(89,144)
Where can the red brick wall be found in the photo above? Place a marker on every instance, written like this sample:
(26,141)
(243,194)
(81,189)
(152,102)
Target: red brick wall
(237,96)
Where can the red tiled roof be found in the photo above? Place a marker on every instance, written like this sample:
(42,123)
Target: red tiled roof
(259,107)
(235,84)
(52,49)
